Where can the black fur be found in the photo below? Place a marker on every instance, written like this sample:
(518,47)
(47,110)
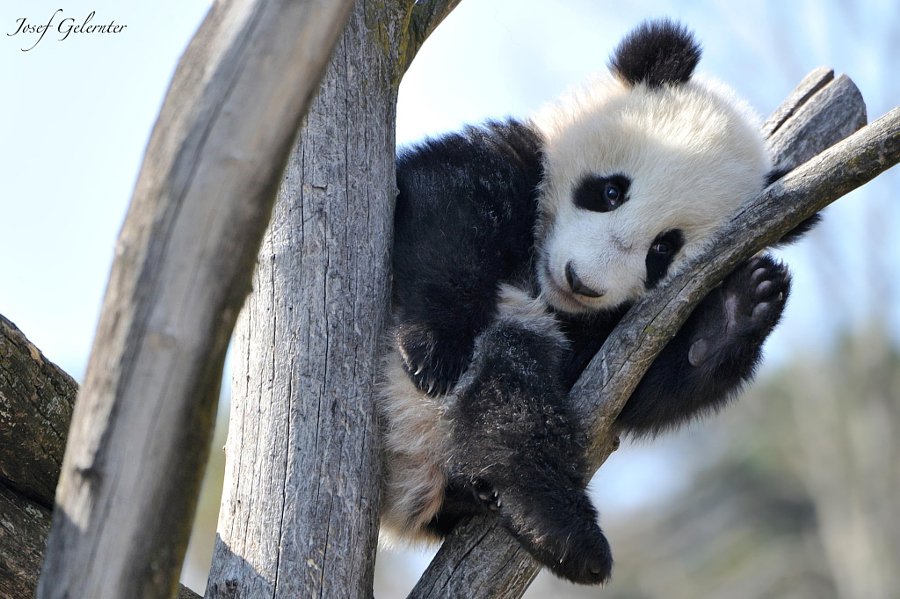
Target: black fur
(464,221)
(656,53)
(602,194)
(519,452)
(708,360)
(660,256)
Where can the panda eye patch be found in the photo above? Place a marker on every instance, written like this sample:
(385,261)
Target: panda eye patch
(601,194)
(661,254)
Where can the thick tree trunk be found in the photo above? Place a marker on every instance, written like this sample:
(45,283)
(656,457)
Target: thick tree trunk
(142,424)
(300,510)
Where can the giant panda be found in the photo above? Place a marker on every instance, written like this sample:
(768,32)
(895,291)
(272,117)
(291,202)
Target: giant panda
(519,245)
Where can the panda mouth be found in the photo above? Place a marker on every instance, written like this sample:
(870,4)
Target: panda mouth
(557,295)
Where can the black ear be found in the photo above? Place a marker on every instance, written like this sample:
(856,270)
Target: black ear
(656,52)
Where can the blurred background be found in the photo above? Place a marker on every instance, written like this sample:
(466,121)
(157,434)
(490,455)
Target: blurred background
(793,492)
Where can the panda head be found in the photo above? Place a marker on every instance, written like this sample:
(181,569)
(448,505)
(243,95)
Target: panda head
(640,171)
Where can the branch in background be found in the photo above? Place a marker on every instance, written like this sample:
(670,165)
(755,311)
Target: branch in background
(36,401)
(479,559)
(142,425)
(24,525)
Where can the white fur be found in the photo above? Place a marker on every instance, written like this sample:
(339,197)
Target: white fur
(693,153)
(417,437)
(518,307)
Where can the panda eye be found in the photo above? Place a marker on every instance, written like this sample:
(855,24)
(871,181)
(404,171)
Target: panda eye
(612,194)
(601,194)
(667,242)
(661,247)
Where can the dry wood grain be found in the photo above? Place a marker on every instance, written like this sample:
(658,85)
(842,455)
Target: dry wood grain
(36,398)
(141,427)
(299,515)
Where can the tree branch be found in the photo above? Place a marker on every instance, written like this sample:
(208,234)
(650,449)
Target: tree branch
(479,559)
(424,17)
(24,525)
(36,401)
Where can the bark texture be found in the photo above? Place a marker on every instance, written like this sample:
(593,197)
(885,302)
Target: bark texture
(24,525)
(36,402)
(36,399)
(300,509)
(141,427)
(476,561)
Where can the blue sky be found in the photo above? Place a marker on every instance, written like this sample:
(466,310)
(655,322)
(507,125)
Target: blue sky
(75,119)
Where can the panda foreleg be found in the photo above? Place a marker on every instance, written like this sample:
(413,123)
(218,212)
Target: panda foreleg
(714,353)
(518,450)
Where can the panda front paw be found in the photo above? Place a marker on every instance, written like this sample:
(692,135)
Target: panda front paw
(486,495)
(747,307)
(433,361)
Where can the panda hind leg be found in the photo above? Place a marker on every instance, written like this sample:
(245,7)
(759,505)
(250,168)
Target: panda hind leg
(714,353)
(518,449)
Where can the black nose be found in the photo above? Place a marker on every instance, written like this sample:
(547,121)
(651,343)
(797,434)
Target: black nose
(577,286)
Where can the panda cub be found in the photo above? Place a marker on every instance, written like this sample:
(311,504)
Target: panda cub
(519,245)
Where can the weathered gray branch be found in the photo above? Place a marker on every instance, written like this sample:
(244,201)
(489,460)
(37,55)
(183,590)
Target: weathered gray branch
(480,559)
(141,427)
(24,526)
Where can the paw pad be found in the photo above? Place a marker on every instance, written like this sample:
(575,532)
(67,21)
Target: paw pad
(743,311)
